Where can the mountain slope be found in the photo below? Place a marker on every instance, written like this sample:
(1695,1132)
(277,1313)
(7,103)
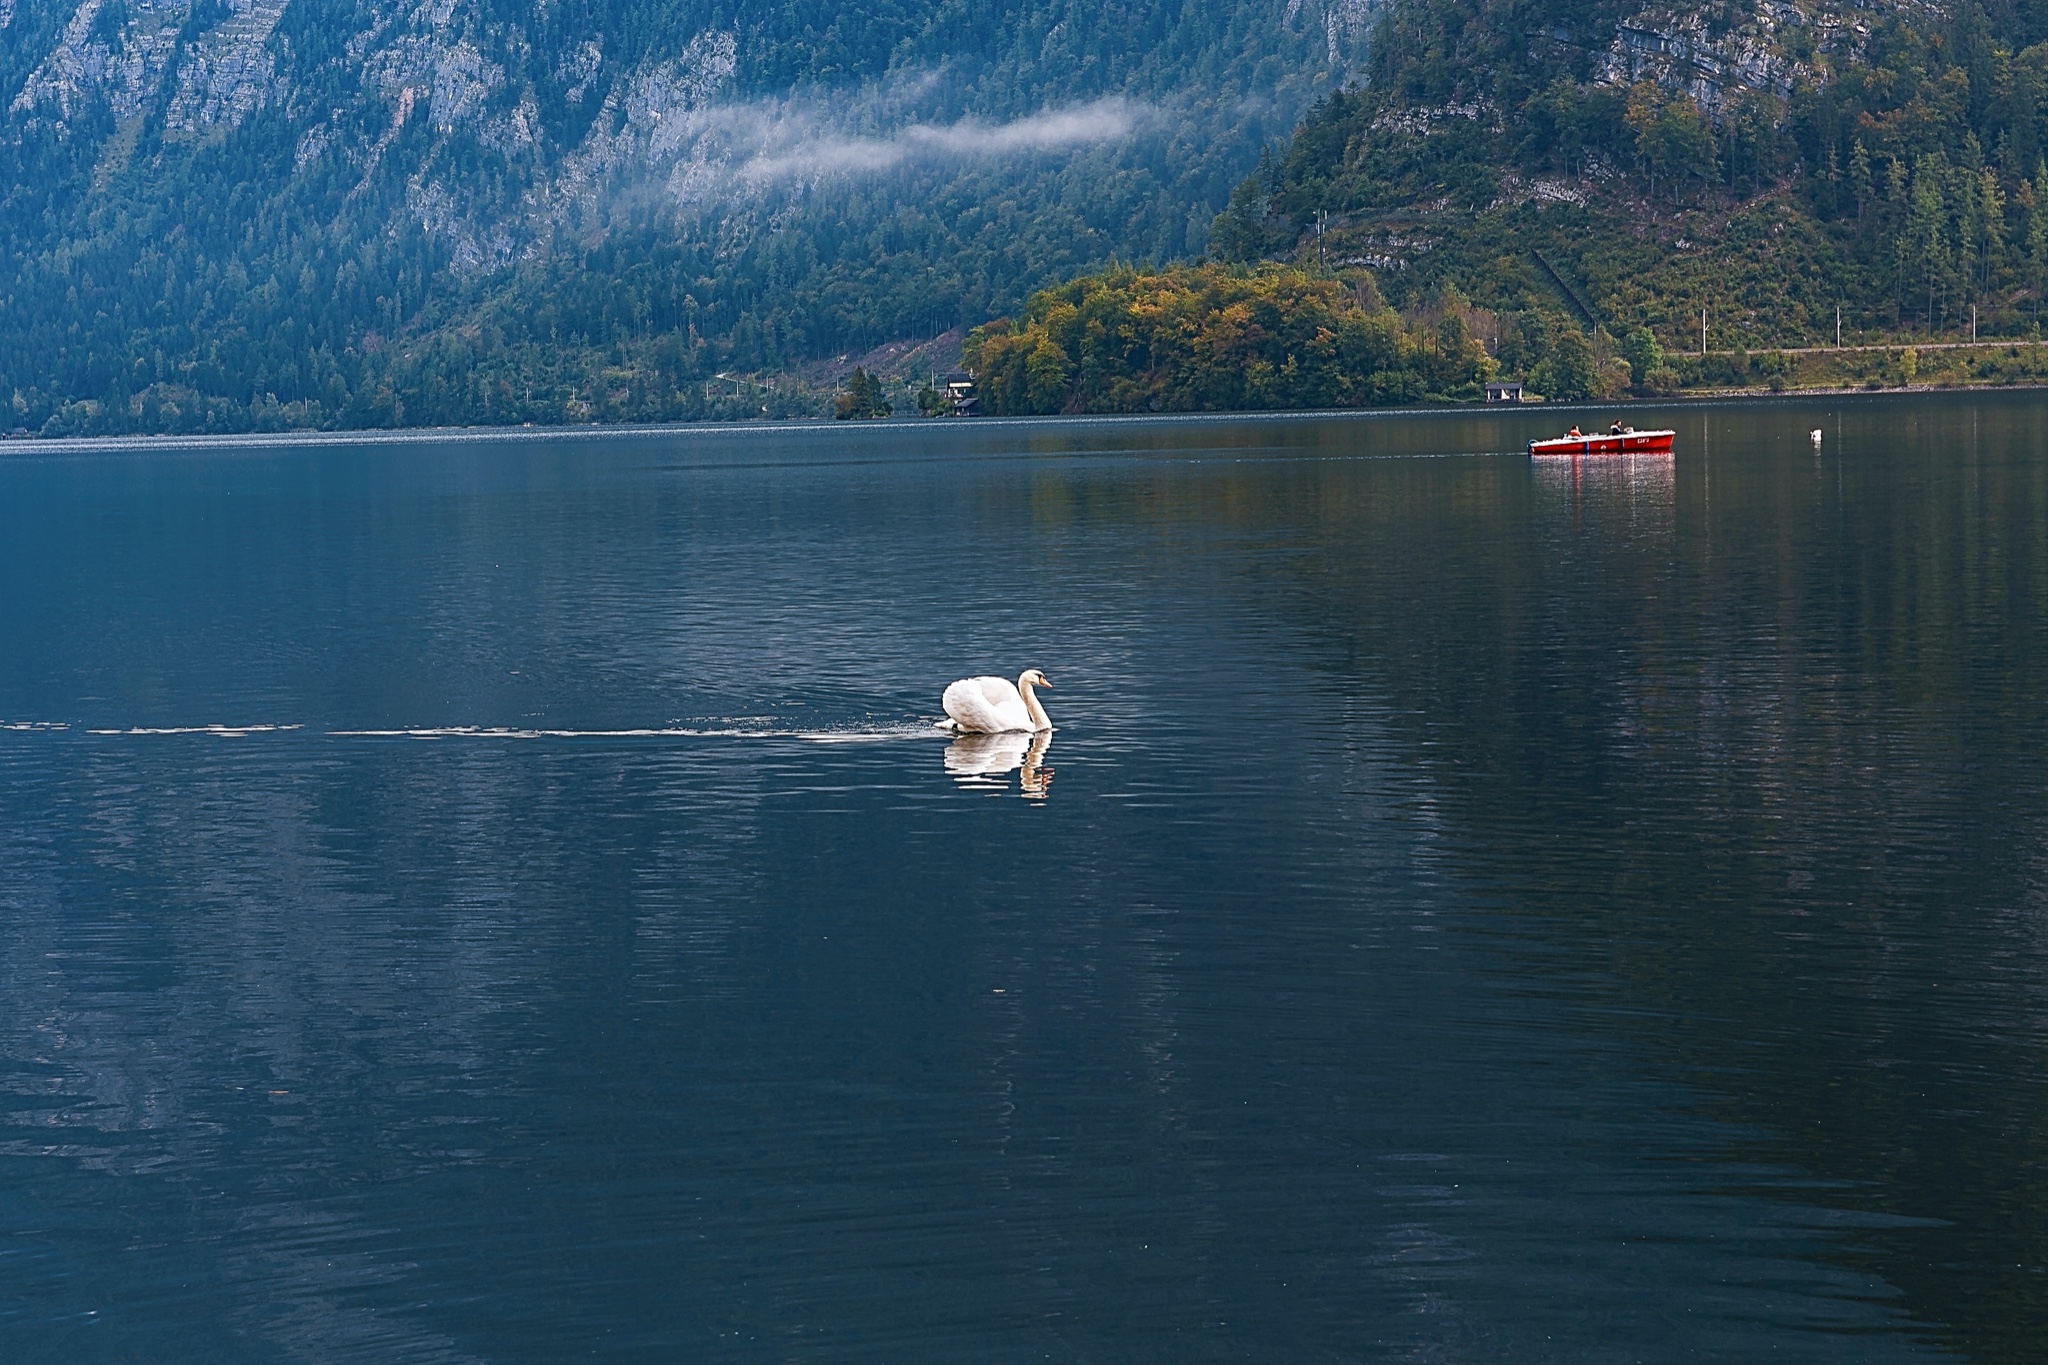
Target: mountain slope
(1774,164)
(319,212)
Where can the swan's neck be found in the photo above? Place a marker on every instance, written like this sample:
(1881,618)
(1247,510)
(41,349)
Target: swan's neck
(1039,720)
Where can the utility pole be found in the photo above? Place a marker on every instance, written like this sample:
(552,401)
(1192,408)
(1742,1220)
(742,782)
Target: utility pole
(1322,226)
(1703,334)
(1973,324)
(1838,326)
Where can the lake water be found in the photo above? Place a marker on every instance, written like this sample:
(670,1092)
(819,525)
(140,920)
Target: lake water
(505,900)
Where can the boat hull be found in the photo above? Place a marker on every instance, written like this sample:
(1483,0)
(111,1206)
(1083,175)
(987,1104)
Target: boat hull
(1600,443)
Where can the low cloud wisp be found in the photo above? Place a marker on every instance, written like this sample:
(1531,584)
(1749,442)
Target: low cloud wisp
(818,155)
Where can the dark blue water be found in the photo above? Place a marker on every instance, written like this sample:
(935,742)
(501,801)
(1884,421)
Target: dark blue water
(504,901)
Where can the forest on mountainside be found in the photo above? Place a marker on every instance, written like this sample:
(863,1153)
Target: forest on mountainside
(1780,170)
(260,214)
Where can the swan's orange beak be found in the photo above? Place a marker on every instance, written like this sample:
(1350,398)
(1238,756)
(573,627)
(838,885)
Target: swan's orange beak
(1044,681)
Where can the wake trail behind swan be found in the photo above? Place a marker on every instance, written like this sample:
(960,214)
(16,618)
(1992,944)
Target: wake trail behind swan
(908,729)
(225,731)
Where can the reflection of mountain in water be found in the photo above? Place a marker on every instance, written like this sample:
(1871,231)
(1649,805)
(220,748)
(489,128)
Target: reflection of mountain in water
(1748,742)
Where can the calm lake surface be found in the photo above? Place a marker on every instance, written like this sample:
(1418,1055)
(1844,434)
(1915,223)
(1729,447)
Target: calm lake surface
(504,900)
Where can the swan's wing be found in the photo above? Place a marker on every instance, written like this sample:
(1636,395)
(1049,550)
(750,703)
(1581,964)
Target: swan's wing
(968,703)
(1005,703)
(986,705)
(964,704)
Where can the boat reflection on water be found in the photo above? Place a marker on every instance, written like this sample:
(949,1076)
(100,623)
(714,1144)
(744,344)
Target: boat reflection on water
(988,760)
(1640,485)
(1610,471)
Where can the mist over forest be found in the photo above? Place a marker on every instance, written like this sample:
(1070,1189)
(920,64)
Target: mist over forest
(282,213)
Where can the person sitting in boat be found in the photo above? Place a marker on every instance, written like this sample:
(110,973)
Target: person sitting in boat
(1574,432)
(1614,428)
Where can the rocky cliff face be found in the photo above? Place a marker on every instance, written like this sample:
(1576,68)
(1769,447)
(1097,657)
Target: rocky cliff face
(451,72)
(1769,46)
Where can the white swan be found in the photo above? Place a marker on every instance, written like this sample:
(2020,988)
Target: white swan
(990,706)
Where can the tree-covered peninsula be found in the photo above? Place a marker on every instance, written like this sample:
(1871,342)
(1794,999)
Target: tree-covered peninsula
(1201,338)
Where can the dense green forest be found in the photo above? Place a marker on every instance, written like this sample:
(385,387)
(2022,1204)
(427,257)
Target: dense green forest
(269,213)
(1772,172)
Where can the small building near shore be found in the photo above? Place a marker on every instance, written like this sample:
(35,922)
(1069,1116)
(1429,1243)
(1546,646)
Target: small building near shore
(1503,393)
(960,392)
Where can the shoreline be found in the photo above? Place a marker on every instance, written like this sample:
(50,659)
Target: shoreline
(1816,391)
(401,436)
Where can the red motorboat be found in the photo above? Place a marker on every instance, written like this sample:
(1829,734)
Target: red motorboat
(1627,441)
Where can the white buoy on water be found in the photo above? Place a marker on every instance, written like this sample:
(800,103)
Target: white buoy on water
(1815,435)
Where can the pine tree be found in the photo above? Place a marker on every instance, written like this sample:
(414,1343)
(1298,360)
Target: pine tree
(1969,218)
(1991,209)
(2037,240)
(862,398)
(1859,180)
(1926,237)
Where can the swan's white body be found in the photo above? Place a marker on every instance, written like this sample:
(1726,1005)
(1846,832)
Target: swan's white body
(995,706)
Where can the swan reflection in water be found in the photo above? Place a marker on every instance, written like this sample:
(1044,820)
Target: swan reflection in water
(987,761)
